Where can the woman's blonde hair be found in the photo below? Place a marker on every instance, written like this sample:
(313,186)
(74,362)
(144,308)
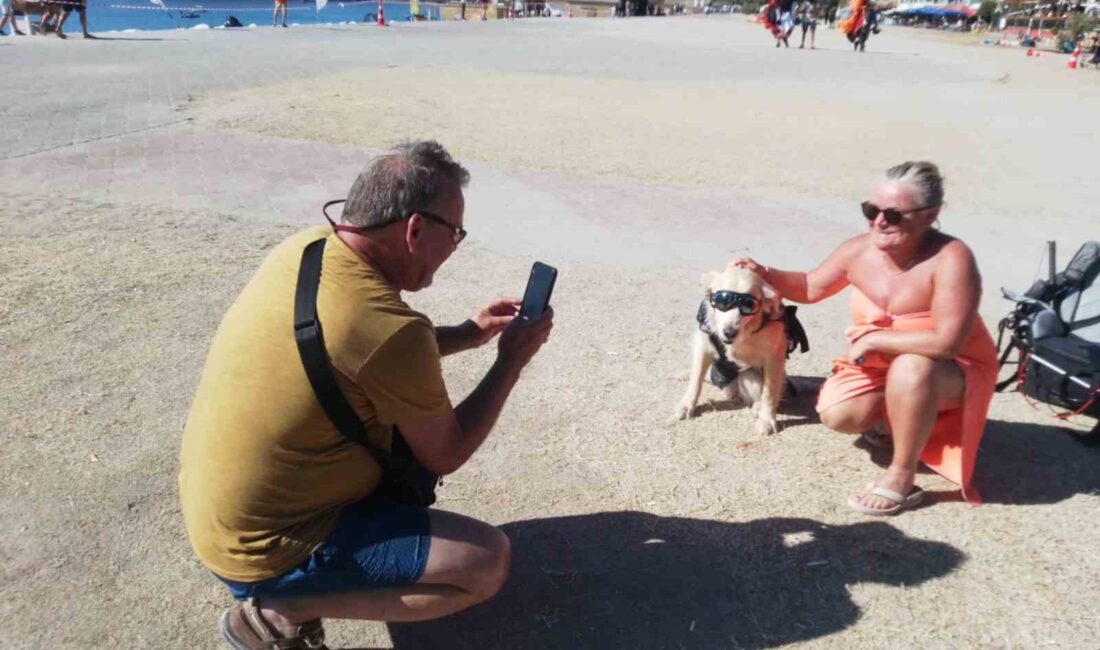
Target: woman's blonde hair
(924,177)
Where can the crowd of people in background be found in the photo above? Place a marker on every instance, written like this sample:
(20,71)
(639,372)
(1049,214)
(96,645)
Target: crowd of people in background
(781,17)
(50,21)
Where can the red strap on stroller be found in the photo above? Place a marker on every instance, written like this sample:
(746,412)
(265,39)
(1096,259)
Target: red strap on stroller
(1093,396)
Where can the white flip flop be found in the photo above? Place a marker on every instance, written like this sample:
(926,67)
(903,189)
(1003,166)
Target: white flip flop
(901,503)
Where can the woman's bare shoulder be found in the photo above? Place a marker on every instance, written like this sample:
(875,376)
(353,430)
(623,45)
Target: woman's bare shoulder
(954,259)
(852,247)
(952,249)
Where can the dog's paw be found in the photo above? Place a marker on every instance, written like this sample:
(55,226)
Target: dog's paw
(766,426)
(685,410)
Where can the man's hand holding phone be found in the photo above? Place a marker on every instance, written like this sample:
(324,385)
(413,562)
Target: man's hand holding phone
(491,320)
(523,337)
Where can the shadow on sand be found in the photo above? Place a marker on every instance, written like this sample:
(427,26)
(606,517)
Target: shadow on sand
(635,580)
(1023,464)
(1020,463)
(796,407)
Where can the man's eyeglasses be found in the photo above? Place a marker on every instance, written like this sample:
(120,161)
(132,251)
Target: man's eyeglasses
(457,234)
(892,216)
(746,303)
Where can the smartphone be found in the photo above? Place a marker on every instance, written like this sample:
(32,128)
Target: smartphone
(540,284)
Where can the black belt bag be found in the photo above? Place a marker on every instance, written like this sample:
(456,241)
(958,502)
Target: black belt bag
(404,479)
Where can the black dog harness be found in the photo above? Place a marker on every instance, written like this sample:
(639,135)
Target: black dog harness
(725,371)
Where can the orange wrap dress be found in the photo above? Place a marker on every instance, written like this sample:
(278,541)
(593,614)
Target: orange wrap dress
(953,447)
(768,14)
(854,21)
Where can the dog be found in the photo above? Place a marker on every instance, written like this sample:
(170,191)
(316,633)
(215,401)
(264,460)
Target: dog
(742,334)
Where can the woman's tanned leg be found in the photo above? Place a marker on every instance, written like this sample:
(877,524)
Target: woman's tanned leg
(917,389)
(855,415)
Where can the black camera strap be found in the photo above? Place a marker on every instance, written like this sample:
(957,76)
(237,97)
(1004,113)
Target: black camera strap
(311,348)
(399,467)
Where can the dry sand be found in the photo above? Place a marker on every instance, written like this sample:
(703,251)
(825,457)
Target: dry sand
(817,126)
(629,531)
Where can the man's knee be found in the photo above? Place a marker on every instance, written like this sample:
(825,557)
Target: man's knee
(492,572)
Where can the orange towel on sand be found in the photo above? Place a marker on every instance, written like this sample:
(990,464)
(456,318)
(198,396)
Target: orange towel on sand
(953,447)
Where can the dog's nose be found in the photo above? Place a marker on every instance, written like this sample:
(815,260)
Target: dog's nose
(728,334)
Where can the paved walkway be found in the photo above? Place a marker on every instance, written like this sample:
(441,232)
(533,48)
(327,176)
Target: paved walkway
(107,120)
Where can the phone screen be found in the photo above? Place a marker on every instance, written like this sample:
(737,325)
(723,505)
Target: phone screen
(540,284)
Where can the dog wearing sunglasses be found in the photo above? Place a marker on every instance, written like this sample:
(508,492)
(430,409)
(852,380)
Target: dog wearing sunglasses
(742,341)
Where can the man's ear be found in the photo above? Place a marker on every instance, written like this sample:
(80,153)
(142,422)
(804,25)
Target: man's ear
(414,228)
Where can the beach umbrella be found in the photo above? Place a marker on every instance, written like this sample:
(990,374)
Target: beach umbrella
(958,11)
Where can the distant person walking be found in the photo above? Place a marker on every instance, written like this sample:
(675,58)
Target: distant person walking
(772,21)
(9,16)
(786,21)
(65,8)
(47,20)
(807,15)
(280,5)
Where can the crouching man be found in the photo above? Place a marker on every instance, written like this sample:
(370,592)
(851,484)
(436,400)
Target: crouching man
(288,510)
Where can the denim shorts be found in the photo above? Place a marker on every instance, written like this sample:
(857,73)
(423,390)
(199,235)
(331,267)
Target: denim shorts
(374,543)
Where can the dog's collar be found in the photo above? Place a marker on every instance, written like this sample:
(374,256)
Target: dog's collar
(723,372)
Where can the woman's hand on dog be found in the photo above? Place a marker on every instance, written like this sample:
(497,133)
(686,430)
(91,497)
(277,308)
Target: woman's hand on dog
(752,265)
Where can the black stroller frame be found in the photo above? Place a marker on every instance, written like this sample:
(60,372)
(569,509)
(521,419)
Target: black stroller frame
(1058,350)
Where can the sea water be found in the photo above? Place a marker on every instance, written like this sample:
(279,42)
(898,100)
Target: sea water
(123,15)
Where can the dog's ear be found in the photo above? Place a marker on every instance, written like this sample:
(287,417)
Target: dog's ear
(773,302)
(707,278)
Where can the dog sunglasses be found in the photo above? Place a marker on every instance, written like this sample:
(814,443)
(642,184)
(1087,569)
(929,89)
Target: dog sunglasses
(746,303)
(890,215)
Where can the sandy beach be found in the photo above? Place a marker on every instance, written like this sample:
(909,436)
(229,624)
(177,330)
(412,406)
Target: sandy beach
(148,178)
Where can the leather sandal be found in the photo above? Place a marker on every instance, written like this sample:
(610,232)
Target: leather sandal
(243,628)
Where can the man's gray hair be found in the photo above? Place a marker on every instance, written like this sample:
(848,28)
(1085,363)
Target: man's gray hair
(924,177)
(412,176)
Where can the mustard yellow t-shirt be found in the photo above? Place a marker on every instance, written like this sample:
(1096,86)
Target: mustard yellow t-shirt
(263,472)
